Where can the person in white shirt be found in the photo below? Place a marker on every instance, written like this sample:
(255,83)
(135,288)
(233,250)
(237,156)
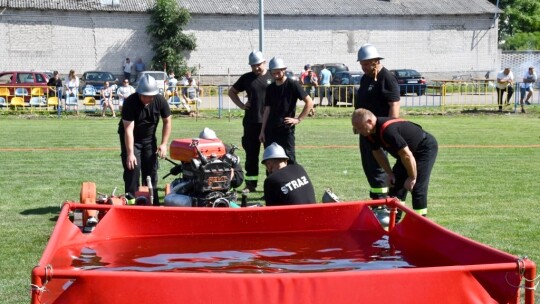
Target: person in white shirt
(72,90)
(123,92)
(526,87)
(172,84)
(505,82)
(185,80)
(191,93)
(127,69)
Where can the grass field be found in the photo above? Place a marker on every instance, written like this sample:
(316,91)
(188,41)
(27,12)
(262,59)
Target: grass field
(485,184)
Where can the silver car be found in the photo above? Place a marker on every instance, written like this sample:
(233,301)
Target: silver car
(160,76)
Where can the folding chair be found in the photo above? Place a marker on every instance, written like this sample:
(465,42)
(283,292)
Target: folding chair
(72,101)
(4,95)
(176,101)
(89,102)
(37,101)
(52,101)
(17,101)
(89,91)
(21,92)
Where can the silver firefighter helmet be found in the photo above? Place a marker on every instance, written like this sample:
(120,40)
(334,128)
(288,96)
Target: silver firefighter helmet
(208,133)
(147,86)
(276,64)
(368,51)
(274,151)
(256,57)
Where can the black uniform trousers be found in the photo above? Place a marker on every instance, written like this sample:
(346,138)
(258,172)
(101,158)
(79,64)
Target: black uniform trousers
(285,138)
(147,165)
(425,156)
(252,147)
(509,92)
(374,173)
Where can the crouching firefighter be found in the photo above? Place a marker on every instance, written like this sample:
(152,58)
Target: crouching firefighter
(286,184)
(414,149)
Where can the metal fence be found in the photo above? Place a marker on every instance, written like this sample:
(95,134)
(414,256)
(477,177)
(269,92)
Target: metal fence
(442,94)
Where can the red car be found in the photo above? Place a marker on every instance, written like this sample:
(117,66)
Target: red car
(24,84)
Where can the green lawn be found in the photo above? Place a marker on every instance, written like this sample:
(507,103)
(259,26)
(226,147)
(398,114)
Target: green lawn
(485,184)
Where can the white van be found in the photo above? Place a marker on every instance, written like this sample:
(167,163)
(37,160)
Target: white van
(160,77)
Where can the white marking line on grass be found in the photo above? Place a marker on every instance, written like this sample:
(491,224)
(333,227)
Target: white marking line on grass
(440,146)
(297,147)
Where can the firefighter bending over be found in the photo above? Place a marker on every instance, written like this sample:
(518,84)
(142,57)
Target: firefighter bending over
(415,151)
(286,184)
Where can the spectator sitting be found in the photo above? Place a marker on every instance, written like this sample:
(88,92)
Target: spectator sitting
(107,99)
(171,85)
(286,184)
(123,92)
(191,93)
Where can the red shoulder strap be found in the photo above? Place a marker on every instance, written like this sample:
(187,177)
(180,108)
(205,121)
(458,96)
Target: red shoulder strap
(383,127)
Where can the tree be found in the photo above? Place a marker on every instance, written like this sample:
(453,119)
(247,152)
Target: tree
(519,25)
(167,20)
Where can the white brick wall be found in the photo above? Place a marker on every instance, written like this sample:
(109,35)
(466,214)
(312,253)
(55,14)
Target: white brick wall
(62,41)
(48,40)
(520,61)
(447,45)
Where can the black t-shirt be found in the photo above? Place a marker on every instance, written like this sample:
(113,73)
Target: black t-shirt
(57,83)
(375,95)
(255,87)
(146,118)
(282,101)
(396,136)
(289,186)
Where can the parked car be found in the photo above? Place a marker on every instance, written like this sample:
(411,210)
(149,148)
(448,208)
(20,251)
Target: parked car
(345,85)
(290,74)
(410,81)
(25,84)
(332,67)
(160,76)
(92,82)
(49,74)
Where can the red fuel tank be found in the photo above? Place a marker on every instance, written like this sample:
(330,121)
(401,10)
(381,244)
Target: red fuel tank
(184,149)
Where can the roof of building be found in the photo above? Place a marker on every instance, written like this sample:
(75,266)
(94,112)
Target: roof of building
(274,7)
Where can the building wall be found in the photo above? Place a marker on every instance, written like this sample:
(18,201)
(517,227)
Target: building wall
(520,61)
(439,45)
(432,45)
(55,40)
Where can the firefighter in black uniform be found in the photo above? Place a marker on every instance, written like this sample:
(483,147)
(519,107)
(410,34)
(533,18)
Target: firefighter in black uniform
(254,83)
(414,149)
(286,184)
(379,93)
(279,121)
(141,114)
